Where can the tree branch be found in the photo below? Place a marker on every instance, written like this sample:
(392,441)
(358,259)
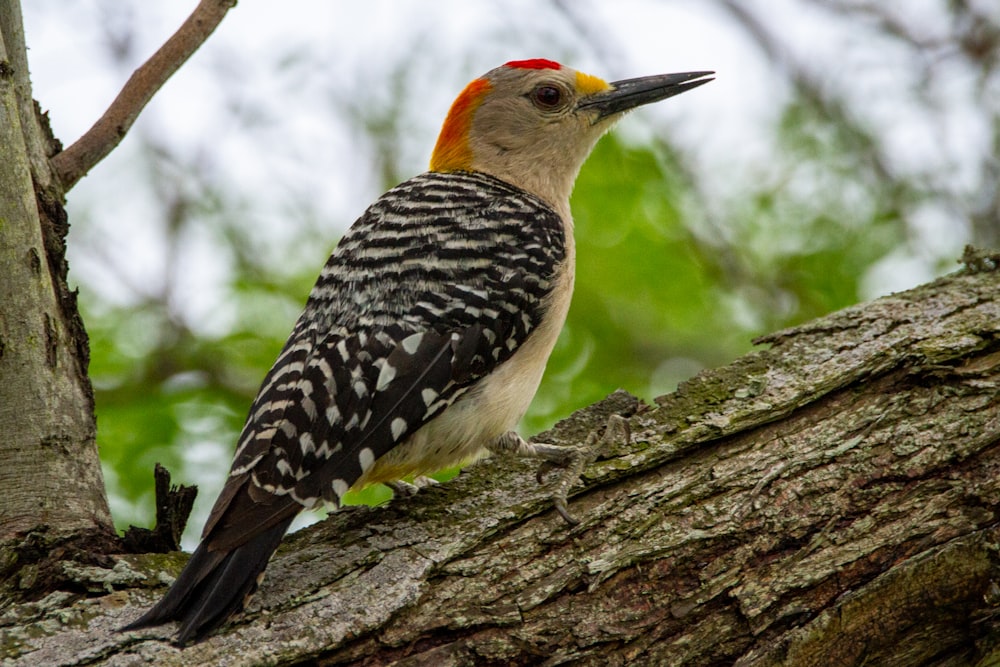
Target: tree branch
(73,163)
(831,500)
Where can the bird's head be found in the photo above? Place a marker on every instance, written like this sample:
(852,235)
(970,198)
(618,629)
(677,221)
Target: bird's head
(532,123)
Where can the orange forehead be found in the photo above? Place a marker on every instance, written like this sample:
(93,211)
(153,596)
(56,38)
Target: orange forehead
(452,152)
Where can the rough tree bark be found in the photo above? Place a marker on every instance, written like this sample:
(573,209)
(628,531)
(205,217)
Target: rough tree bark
(47,426)
(829,500)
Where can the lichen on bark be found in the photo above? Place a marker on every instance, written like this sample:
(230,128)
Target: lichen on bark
(832,496)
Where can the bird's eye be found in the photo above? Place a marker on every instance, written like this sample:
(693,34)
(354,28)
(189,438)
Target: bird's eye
(546,97)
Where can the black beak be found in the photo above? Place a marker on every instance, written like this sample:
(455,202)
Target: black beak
(631,93)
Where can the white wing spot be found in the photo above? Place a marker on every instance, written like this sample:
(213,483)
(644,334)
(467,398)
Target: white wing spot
(412,342)
(306,443)
(385,376)
(429,396)
(366,457)
(398,427)
(340,487)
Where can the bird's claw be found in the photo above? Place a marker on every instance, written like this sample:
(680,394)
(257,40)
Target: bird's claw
(560,505)
(572,461)
(404,489)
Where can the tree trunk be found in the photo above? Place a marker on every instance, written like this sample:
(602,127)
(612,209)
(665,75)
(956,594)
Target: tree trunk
(830,500)
(49,469)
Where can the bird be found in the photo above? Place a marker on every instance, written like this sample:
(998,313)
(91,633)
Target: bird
(425,336)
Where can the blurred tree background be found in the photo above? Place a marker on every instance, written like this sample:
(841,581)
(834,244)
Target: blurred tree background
(847,149)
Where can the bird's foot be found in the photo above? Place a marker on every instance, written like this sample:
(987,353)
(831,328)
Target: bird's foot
(570,460)
(405,489)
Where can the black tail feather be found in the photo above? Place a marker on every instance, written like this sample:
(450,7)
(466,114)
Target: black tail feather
(213,586)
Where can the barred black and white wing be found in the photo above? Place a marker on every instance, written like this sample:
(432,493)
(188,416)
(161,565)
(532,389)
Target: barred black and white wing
(440,282)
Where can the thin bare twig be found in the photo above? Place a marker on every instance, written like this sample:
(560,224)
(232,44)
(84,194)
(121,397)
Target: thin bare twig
(73,163)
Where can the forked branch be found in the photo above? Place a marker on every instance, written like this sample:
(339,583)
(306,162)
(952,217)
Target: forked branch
(73,163)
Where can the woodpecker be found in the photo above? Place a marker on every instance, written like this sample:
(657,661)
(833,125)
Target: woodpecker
(425,337)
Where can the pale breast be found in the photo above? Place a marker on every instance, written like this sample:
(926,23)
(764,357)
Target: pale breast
(491,408)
